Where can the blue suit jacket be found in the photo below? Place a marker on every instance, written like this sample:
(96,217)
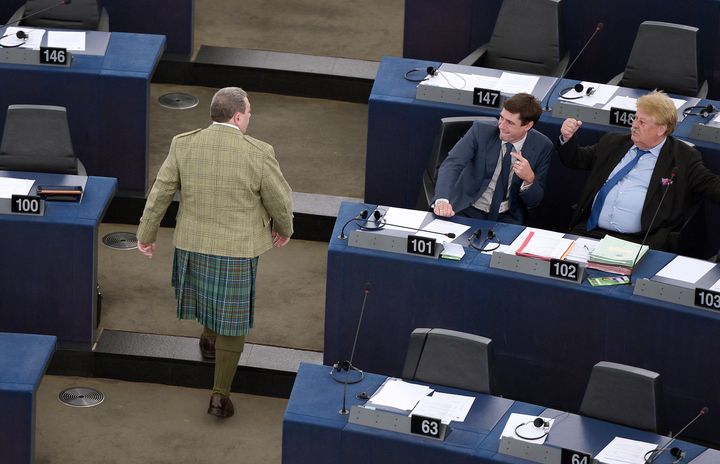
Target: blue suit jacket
(468,169)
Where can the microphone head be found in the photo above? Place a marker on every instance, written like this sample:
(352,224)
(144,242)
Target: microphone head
(599,27)
(704,410)
(367,287)
(450,235)
(675,172)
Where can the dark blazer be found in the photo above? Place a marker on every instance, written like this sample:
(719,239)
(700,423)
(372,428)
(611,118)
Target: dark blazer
(468,169)
(693,181)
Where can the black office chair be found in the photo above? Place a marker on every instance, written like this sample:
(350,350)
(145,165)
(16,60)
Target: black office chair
(450,132)
(36,138)
(88,15)
(625,395)
(448,357)
(527,38)
(665,56)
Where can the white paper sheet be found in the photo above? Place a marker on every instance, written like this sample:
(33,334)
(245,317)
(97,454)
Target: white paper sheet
(685,269)
(527,430)
(624,451)
(580,252)
(515,83)
(452,251)
(627,103)
(444,406)
(513,247)
(33,41)
(10,186)
(74,41)
(408,218)
(547,247)
(602,94)
(399,395)
(444,227)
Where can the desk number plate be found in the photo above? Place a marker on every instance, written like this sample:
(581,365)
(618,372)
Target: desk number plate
(25,204)
(417,245)
(621,117)
(569,456)
(486,97)
(564,270)
(52,55)
(425,426)
(707,299)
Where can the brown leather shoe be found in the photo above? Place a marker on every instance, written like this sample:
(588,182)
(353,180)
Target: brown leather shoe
(221,406)
(207,347)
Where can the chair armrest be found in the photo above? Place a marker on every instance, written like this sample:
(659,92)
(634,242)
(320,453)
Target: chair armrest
(475,57)
(561,66)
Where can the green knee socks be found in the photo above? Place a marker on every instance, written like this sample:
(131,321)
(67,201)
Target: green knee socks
(227,355)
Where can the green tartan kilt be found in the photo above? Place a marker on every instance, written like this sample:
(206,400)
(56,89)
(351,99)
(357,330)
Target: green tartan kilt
(216,291)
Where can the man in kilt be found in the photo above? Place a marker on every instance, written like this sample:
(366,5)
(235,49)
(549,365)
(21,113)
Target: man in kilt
(234,205)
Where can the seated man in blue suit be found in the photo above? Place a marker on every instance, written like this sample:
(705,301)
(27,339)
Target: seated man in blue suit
(497,172)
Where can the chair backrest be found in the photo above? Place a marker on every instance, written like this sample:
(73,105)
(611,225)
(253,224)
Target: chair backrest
(665,56)
(78,14)
(37,138)
(448,357)
(626,395)
(450,132)
(527,37)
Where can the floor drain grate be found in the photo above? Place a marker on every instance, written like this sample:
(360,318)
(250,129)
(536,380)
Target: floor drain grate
(178,101)
(81,397)
(120,241)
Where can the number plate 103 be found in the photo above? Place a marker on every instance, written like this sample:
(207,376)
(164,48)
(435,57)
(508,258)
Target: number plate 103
(707,299)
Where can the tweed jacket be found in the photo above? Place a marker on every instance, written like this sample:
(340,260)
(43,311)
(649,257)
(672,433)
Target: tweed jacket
(232,194)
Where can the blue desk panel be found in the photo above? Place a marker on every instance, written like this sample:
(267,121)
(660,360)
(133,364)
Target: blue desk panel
(23,360)
(547,334)
(314,432)
(106,99)
(401,130)
(48,278)
(171,18)
(461,26)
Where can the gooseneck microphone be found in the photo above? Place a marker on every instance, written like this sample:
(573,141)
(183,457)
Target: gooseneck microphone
(381,225)
(598,28)
(673,176)
(42,10)
(347,365)
(676,452)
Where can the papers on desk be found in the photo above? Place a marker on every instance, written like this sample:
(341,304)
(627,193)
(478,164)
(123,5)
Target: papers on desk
(411,219)
(395,394)
(69,40)
(443,227)
(523,423)
(547,247)
(629,103)
(10,186)
(601,95)
(408,218)
(685,269)
(580,251)
(508,82)
(33,40)
(616,256)
(624,451)
(444,406)
(453,251)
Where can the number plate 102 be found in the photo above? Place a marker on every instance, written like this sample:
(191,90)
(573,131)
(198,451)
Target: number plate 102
(564,270)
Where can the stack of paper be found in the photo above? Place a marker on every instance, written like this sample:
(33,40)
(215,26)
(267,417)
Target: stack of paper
(616,256)
(396,395)
(545,247)
(453,251)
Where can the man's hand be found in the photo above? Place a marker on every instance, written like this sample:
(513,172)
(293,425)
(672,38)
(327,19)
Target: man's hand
(444,209)
(279,240)
(147,249)
(569,127)
(521,167)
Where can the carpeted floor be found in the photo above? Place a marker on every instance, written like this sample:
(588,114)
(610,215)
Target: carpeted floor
(290,295)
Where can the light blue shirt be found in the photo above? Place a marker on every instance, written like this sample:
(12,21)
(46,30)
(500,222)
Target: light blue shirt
(623,205)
